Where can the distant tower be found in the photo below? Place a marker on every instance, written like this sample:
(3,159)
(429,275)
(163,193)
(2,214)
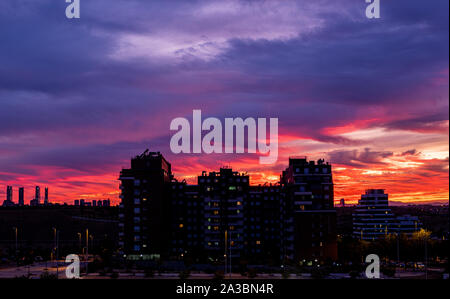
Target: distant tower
(37,195)
(21,196)
(342,202)
(9,193)
(46,196)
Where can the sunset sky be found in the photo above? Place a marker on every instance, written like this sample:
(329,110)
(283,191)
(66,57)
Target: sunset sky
(80,97)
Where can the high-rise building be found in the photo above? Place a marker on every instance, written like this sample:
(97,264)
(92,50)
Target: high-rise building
(308,213)
(262,224)
(372,217)
(21,196)
(46,196)
(187,224)
(8,202)
(223,218)
(407,224)
(37,195)
(9,193)
(223,194)
(144,210)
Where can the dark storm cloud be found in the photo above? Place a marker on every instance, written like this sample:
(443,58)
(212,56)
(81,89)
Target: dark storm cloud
(85,94)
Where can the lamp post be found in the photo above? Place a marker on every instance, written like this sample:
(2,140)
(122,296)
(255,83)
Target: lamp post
(426,256)
(87,250)
(56,245)
(15,232)
(79,242)
(225,255)
(91,237)
(229,246)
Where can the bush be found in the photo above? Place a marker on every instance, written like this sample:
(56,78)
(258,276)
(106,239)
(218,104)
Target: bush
(114,275)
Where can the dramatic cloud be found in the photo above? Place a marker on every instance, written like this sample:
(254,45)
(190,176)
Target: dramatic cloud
(80,97)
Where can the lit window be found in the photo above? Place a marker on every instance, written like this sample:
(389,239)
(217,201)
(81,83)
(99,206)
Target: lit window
(181,225)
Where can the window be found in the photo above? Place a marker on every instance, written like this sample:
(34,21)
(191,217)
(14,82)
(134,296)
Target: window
(137,210)
(137,201)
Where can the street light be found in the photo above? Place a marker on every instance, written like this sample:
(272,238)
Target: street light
(79,242)
(17,259)
(87,250)
(56,241)
(91,237)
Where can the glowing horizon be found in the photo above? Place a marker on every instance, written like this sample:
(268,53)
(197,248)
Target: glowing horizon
(81,97)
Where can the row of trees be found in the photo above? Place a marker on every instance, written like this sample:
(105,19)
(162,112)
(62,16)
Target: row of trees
(394,247)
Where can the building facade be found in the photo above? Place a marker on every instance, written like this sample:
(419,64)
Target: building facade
(224,218)
(308,213)
(144,209)
(373,219)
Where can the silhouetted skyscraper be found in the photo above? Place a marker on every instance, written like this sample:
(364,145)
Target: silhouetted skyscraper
(9,193)
(46,196)
(144,215)
(21,196)
(8,201)
(309,216)
(37,195)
